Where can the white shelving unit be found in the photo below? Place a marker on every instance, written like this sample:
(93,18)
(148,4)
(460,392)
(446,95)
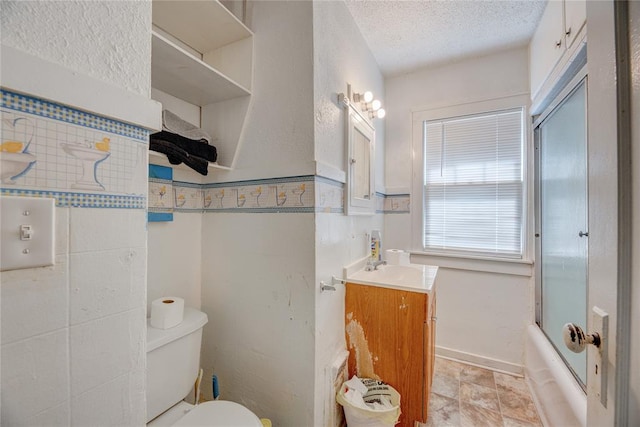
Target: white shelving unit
(162,158)
(179,73)
(202,54)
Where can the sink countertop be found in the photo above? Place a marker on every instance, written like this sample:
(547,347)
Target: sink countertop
(411,277)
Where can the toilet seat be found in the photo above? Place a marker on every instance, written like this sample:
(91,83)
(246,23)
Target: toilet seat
(219,413)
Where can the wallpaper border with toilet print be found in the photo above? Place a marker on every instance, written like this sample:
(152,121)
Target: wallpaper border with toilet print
(78,158)
(298,194)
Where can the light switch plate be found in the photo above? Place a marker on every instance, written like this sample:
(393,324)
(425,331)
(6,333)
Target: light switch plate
(28,232)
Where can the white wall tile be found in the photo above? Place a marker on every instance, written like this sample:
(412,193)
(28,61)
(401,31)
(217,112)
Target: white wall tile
(95,229)
(35,376)
(62,230)
(105,283)
(115,403)
(259,292)
(34,300)
(57,416)
(106,349)
(138,395)
(140,173)
(175,259)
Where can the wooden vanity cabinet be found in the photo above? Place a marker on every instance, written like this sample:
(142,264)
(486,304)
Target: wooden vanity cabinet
(390,336)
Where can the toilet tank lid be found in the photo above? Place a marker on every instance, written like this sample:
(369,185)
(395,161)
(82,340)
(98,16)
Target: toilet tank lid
(192,321)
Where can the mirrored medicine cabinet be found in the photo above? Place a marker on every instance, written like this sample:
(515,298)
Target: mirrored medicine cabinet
(360,186)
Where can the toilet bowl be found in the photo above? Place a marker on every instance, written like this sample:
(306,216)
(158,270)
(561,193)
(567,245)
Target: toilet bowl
(173,363)
(216,413)
(219,413)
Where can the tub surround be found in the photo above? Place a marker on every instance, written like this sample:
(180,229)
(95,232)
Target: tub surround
(557,393)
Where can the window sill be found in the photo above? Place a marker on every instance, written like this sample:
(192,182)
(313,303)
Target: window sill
(516,267)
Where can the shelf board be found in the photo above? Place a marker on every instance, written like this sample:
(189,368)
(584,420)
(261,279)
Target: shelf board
(179,73)
(205,25)
(163,158)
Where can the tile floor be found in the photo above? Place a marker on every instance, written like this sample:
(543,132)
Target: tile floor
(468,396)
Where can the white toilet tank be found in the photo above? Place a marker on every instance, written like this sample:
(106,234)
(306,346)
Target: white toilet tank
(173,361)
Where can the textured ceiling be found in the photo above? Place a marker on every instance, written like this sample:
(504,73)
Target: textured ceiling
(406,35)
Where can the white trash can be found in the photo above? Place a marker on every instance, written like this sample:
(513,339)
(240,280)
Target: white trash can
(376,390)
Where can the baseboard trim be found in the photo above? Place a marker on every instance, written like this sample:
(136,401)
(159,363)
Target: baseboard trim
(481,361)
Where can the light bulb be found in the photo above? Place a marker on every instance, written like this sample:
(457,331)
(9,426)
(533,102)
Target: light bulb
(376,105)
(368,96)
(381,113)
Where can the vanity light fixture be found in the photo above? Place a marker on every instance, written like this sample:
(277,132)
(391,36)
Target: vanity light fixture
(369,105)
(365,98)
(379,113)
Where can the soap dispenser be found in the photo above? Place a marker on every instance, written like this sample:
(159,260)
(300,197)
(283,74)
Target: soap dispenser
(376,246)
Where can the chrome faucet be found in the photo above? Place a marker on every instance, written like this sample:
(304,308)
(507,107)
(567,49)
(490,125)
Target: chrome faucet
(373,265)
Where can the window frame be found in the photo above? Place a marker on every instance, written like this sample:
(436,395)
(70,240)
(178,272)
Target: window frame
(419,117)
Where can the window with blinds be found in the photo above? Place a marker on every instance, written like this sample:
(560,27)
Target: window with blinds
(473,184)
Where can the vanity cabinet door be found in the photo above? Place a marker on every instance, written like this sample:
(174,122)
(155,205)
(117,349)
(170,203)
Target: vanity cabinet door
(429,350)
(387,338)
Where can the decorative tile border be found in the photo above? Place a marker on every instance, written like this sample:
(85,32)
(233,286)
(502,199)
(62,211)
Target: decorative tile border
(160,194)
(82,200)
(187,197)
(39,107)
(78,158)
(85,160)
(396,204)
(294,194)
(329,195)
(299,194)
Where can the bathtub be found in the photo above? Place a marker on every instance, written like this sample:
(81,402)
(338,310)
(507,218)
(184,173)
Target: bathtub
(559,398)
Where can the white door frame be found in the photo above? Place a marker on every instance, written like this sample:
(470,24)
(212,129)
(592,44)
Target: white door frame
(634,367)
(609,205)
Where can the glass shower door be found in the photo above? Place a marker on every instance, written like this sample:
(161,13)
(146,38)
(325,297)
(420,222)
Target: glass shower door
(562,223)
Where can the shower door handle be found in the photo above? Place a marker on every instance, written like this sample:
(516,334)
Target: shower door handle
(583,234)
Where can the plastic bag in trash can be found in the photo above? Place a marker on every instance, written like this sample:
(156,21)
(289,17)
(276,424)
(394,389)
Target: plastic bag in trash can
(382,404)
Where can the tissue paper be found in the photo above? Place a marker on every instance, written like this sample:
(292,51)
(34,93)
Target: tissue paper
(397,257)
(167,312)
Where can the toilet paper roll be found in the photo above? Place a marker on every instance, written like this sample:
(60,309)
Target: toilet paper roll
(397,257)
(167,312)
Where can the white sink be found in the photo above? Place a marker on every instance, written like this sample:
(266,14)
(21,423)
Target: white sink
(412,277)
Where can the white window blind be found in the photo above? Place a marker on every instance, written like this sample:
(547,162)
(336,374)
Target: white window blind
(473,184)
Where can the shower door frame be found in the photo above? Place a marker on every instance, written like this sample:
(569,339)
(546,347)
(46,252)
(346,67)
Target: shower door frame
(581,77)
